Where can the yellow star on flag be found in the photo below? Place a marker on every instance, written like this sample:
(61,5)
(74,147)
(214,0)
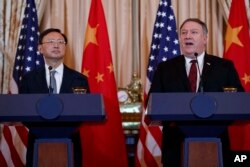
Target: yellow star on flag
(85,72)
(246,78)
(90,35)
(110,67)
(232,36)
(99,77)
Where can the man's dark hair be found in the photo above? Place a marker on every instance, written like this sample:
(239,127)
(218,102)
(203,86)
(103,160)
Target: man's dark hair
(47,31)
(196,20)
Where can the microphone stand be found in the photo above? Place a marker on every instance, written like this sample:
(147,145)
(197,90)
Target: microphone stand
(50,88)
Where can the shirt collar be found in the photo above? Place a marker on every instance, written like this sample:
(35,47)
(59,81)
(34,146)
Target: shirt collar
(59,69)
(200,58)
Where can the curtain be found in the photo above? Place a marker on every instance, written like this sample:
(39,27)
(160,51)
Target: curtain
(11,13)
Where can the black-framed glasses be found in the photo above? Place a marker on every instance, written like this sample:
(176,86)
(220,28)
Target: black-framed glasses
(54,41)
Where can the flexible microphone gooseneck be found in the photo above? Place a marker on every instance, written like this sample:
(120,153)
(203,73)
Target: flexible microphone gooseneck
(50,88)
(199,71)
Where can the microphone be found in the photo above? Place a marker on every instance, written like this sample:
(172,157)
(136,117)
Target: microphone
(50,88)
(199,71)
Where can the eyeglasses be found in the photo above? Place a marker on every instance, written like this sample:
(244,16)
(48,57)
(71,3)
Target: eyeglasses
(54,41)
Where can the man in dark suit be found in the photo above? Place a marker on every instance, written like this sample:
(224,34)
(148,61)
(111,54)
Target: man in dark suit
(172,76)
(52,44)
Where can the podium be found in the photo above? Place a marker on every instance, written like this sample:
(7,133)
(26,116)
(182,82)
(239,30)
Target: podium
(52,118)
(191,108)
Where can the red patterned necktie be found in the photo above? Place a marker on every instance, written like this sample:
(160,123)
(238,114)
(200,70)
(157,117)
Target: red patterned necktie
(193,75)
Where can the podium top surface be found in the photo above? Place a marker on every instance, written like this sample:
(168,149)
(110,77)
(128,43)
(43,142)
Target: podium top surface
(72,107)
(184,106)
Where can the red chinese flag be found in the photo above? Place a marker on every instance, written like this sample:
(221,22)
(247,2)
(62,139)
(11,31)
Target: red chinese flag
(237,49)
(103,144)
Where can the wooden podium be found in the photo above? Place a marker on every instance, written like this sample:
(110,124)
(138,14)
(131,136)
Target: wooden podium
(201,147)
(52,119)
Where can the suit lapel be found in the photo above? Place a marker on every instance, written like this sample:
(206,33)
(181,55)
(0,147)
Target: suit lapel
(207,67)
(41,80)
(66,80)
(182,73)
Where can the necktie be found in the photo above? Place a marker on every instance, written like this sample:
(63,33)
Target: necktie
(53,82)
(193,75)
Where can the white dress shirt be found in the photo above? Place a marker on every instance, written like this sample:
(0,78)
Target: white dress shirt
(200,59)
(58,76)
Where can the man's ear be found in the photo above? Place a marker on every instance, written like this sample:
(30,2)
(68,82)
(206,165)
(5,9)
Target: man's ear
(205,39)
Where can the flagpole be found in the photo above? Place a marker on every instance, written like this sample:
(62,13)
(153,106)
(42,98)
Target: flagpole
(135,38)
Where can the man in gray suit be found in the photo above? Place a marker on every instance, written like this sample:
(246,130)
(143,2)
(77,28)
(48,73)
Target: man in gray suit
(52,44)
(172,76)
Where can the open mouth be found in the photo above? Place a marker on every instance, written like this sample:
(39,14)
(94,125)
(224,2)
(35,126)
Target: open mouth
(189,43)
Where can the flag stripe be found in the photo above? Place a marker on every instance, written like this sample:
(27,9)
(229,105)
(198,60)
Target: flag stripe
(10,136)
(155,131)
(2,160)
(19,134)
(5,152)
(23,133)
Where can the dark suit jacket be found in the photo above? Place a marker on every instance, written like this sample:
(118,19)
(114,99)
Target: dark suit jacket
(171,76)
(35,81)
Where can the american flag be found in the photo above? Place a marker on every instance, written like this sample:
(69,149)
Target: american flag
(13,144)
(165,45)
(27,55)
